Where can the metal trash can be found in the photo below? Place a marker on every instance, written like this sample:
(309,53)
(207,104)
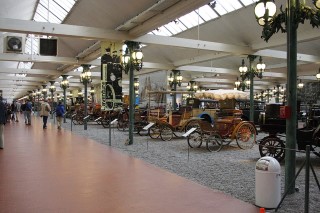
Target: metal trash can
(268,182)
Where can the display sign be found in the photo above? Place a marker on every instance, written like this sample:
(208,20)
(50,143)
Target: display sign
(189,132)
(148,126)
(112,122)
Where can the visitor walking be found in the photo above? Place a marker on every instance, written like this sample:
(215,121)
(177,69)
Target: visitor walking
(44,113)
(23,109)
(59,113)
(28,112)
(3,119)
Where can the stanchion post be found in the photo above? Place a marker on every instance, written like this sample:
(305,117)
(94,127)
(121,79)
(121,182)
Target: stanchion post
(307,179)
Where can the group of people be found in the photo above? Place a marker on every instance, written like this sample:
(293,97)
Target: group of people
(12,111)
(45,112)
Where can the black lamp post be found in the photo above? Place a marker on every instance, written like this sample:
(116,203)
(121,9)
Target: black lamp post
(288,21)
(85,78)
(250,74)
(175,79)
(243,84)
(38,105)
(52,89)
(64,84)
(34,94)
(132,60)
(44,91)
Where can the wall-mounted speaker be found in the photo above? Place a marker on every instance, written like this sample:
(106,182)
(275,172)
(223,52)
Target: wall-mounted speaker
(48,47)
(14,44)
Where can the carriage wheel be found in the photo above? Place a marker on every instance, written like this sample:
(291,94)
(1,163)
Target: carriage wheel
(166,133)
(154,132)
(74,121)
(246,136)
(105,123)
(195,139)
(273,147)
(214,143)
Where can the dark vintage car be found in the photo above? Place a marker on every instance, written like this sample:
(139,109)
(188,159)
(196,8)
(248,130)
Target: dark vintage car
(244,105)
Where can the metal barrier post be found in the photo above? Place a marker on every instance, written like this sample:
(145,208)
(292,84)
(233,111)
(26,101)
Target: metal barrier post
(72,116)
(307,178)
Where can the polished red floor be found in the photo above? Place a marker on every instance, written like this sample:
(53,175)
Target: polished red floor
(56,171)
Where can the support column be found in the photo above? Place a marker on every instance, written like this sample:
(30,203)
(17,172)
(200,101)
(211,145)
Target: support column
(290,155)
(85,105)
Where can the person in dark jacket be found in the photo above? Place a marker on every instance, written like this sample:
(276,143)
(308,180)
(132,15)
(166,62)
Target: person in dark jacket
(59,113)
(3,119)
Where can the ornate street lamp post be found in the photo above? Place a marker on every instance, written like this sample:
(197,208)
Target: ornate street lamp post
(250,74)
(132,60)
(175,79)
(38,105)
(44,91)
(288,21)
(85,78)
(52,89)
(64,84)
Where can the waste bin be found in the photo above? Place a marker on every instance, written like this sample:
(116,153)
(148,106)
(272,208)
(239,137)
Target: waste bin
(268,182)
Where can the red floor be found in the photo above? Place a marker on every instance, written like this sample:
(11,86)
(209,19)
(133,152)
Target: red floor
(56,171)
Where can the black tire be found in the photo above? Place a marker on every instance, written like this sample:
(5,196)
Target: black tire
(272,146)
(166,133)
(246,136)
(195,139)
(105,123)
(214,143)
(154,132)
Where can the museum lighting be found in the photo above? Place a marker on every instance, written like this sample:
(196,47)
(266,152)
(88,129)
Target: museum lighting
(318,74)
(85,78)
(175,79)
(64,84)
(52,89)
(132,60)
(250,73)
(300,84)
(44,91)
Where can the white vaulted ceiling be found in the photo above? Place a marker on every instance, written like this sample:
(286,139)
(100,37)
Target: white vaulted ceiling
(210,53)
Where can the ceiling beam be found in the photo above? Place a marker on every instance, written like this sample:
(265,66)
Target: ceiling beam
(194,44)
(65,30)
(283,55)
(49,59)
(29,71)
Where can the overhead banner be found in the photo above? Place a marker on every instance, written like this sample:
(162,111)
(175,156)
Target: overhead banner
(111,75)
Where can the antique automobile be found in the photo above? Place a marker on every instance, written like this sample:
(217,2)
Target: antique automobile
(228,125)
(273,145)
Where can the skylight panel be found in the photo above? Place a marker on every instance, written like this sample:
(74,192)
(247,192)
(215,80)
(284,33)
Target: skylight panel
(175,28)
(54,10)
(58,10)
(248,2)
(207,13)
(163,31)
(229,5)
(65,4)
(191,19)
(220,9)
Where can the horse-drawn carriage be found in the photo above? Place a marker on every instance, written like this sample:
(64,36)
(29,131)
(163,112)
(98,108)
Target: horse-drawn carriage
(273,145)
(228,126)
